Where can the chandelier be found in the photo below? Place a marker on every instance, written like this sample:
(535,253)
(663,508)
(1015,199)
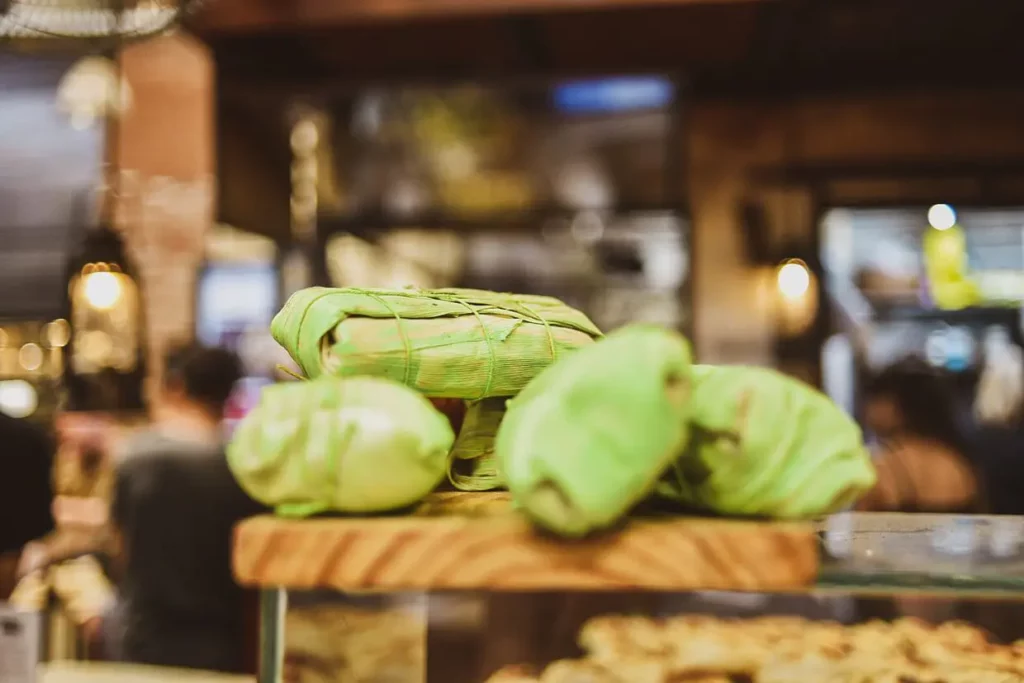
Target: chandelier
(89,20)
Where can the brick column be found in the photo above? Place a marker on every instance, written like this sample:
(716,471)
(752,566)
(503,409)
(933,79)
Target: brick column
(167,166)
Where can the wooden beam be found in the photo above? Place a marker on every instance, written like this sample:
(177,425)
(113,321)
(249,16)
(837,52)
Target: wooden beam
(463,49)
(239,16)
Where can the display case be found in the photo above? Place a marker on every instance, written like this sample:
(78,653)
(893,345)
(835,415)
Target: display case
(464,589)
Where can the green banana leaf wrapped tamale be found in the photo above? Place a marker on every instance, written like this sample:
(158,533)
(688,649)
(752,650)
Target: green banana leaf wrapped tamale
(589,437)
(765,444)
(445,343)
(360,444)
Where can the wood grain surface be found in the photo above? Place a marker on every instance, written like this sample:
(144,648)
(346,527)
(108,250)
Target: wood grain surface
(476,541)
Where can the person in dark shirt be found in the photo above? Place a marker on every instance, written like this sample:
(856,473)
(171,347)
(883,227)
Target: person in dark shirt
(175,506)
(26,493)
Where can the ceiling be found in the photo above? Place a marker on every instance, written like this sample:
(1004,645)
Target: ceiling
(248,15)
(272,53)
(724,47)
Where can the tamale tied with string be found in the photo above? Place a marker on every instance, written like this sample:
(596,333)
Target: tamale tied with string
(445,343)
(353,445)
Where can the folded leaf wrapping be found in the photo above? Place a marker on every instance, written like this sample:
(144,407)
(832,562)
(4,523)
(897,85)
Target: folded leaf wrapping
(445,343)
(473,466)
(765,444)
(589,437)
(360,444)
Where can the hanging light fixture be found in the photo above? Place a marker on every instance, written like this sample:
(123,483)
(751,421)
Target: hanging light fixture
(89,21)
(104,360)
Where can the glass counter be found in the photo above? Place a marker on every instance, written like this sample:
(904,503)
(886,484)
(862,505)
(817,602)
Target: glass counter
(939,554)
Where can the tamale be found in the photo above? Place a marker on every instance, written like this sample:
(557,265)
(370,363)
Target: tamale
(764,444)
(360,444)
(589,437)
(445,343)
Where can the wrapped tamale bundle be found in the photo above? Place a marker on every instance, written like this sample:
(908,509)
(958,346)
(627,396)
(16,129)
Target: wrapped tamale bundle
(589,437)
(360,444)
(445,343)
(764,444)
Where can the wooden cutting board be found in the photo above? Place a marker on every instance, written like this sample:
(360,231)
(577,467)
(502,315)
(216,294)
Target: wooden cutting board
(477,541)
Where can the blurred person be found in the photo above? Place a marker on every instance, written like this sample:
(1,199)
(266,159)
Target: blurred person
(922,459)
(921,455)
(26,496)
(174,508)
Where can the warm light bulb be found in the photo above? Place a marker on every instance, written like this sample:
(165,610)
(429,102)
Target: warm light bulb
(30,356)
(305,136)
(102,289)
(18,398)
(793,279)
(58,333)
(941,217)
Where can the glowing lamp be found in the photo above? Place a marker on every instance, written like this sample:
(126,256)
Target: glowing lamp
(793,279)
(104,334)
(941,217)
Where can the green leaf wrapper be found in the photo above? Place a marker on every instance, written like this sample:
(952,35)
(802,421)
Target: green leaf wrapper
(445,343)
(764,444)
(472,464)
(589,437)
(359,445)
(466,344)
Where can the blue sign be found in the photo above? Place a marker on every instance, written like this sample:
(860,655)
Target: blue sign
(610,95)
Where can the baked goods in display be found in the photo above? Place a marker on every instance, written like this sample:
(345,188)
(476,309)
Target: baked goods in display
(513,674)
(700,649)
(589,671)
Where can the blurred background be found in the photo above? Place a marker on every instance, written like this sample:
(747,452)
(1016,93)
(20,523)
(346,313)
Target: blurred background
(760,174)
(822,187)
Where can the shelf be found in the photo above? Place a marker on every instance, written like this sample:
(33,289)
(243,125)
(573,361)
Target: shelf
(976,315)
(476,541)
